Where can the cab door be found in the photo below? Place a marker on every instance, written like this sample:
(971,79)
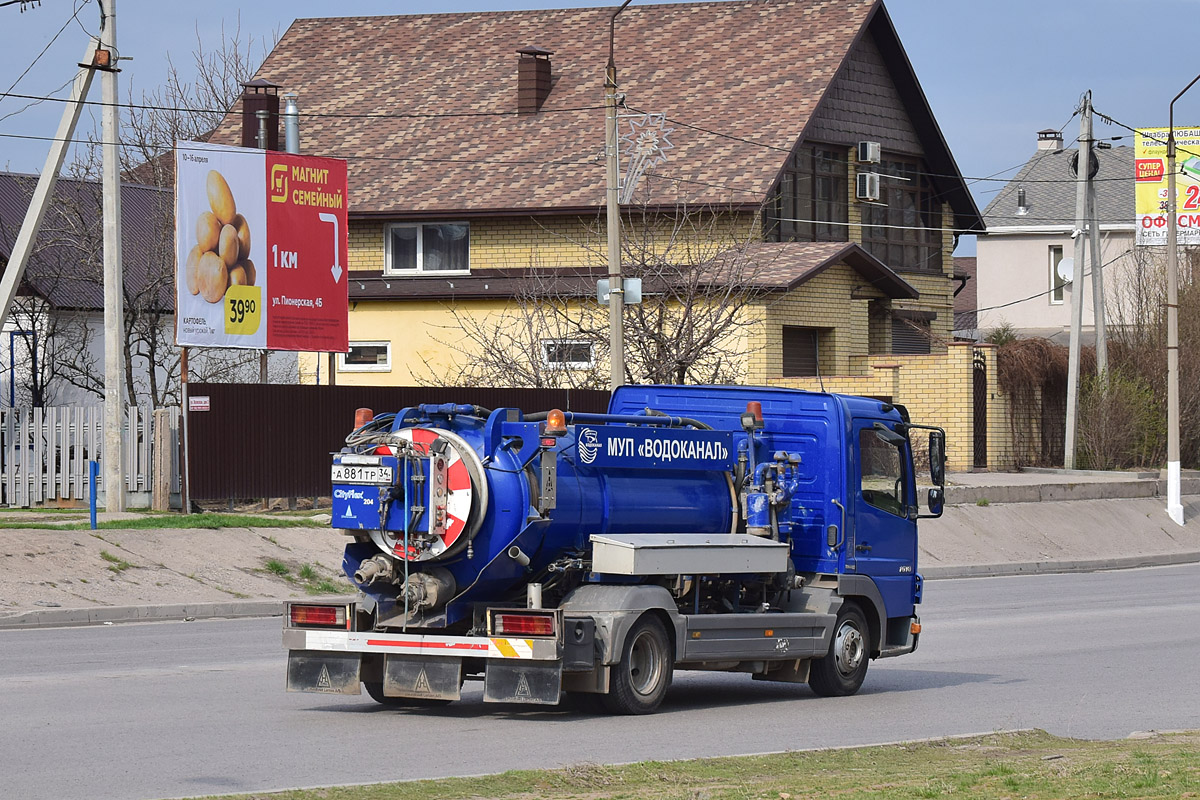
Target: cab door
(882,542)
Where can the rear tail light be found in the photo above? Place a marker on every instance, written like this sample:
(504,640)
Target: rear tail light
(300,616)
(512,623)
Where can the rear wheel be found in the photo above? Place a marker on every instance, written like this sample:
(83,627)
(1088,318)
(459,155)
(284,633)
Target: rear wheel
(842,670)
(639,682)
(376,692)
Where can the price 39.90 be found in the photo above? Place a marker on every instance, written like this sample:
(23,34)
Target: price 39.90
(239,309)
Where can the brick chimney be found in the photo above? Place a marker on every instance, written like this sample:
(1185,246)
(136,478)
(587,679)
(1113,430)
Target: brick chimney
(533,79)
(1049,139)
(260,95)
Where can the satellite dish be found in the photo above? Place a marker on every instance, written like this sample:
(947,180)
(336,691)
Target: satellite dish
(1065,269)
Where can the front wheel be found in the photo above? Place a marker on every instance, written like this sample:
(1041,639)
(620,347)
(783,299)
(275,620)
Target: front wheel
(842,670)
(639,682)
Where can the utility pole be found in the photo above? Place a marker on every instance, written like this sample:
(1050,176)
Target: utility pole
(616,287)
(1081,202)
(1174,498)
(114,280)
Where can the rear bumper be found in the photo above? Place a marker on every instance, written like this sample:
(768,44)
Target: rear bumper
(414,644)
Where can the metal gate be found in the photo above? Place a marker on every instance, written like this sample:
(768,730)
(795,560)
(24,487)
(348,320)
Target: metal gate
(979,374)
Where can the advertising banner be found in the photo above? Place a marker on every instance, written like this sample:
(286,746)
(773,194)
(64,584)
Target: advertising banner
(1150,187)
(260,249)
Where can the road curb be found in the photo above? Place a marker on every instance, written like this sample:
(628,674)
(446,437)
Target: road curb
(1052,567)
(108,615)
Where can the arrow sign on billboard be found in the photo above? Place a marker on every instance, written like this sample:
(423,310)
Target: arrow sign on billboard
(337,268)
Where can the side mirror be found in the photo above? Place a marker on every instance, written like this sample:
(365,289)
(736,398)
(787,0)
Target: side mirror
(936,502)
(937,457)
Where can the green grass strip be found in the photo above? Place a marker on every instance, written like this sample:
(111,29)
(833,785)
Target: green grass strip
(209,521)
(1031,765)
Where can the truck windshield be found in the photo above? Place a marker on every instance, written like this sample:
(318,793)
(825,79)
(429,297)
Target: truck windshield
(881,479)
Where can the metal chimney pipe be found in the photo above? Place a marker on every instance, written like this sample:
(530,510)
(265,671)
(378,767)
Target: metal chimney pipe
(1022,207)
(291,123)
(263,116)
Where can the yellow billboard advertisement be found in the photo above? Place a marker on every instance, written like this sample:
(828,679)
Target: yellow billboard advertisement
(1150,192)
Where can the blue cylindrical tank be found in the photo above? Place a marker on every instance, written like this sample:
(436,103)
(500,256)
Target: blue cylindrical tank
(506,512)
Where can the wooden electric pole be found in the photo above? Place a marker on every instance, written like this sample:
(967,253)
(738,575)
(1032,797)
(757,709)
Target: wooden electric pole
(1084,156)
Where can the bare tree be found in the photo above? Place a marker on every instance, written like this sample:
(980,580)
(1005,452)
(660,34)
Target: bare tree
(701,271)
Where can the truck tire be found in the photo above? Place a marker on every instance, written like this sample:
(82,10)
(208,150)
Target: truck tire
(375,690)
(639,682)
(842,670)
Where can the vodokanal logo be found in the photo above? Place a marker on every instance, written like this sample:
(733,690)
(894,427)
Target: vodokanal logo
(589,445)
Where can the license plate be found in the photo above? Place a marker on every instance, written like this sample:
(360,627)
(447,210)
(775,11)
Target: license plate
(351,473)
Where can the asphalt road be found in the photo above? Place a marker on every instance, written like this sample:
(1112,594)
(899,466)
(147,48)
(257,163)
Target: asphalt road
(183,709)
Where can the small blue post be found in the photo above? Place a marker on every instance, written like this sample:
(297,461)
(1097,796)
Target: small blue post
(93,468)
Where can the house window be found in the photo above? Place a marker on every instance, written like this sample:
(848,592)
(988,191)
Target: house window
(1057,283)
(366,357)
(567,354)
(799,352)
(427,247)
(810,203)
(911,336)
(906,233)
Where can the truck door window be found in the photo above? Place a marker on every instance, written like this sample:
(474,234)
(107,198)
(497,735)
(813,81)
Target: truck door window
(881,479)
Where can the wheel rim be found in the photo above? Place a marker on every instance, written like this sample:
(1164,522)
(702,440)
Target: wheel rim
(848,648)
(645,664)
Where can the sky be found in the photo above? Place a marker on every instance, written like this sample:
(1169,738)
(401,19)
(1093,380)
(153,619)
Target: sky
(994,71)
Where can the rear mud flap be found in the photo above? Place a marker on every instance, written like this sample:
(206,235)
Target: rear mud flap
(517,681)
(323,672)
(428,678)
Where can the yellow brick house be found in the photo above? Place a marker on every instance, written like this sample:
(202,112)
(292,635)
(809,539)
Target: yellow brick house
(799,138)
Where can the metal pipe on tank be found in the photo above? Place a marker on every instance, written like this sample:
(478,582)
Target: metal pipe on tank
(517,555)
(291,123)
(533,595)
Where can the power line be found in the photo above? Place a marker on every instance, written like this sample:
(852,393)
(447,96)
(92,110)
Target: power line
(53,39)
(310,114)
(357,157)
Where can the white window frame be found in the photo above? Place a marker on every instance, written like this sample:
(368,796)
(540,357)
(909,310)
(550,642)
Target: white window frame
(590,363)
(387,367)
(419,269)
(1057,292)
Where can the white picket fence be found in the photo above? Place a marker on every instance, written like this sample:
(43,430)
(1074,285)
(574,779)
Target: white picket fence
(45,453)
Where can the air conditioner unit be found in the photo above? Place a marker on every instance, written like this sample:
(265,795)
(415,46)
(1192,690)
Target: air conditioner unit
(866,186)
(868,152)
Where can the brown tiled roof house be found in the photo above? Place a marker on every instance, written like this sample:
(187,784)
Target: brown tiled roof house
(760,96)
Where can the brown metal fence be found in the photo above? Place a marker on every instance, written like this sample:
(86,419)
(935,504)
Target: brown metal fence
(272,440)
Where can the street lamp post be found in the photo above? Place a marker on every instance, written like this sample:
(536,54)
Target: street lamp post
(1174,503)
(616,289)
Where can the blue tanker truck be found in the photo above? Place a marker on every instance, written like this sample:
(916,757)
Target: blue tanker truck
(745,529)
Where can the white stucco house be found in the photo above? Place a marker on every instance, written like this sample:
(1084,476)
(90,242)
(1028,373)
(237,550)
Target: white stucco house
(1029,231)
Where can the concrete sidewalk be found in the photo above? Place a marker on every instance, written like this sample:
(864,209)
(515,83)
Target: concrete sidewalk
(1036,521)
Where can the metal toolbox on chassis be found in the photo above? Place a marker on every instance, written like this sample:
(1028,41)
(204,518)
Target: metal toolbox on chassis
(687,554)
